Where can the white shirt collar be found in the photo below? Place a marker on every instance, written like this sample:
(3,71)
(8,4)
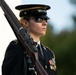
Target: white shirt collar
(38,43)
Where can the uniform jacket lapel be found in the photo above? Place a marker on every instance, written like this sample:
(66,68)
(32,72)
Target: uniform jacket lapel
(45,55)
(40,56)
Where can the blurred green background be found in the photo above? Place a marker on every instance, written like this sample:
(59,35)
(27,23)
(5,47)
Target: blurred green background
(64,47)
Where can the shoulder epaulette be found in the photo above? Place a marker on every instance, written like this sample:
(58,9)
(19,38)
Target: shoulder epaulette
(49,49)
(16,41)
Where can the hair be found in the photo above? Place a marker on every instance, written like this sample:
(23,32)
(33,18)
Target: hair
(24,18)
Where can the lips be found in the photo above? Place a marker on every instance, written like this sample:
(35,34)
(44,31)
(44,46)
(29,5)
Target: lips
(43,28)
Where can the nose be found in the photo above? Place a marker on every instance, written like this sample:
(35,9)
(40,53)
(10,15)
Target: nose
(44,22)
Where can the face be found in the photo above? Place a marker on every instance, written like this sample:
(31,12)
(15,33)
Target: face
(37,27)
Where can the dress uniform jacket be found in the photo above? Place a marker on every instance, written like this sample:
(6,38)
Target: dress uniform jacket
(13,63)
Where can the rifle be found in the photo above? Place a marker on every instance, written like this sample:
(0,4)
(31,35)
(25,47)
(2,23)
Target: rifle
(23,37)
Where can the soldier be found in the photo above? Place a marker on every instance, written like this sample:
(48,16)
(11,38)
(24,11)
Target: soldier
(33,17)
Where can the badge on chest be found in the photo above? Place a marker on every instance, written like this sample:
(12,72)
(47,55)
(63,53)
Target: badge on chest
(52,64)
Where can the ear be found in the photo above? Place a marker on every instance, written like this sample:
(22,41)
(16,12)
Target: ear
(24,23)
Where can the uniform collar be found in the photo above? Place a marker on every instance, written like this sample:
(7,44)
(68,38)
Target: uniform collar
(38,43)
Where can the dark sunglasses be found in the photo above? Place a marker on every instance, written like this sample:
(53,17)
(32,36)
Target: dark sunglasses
(39,19)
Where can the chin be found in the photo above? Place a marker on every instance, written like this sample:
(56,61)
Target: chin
(43,34)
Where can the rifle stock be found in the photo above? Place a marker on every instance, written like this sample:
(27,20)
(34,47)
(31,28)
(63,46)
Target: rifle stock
(23,37)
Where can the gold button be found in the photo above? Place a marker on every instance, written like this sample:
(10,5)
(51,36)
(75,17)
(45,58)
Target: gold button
(46,66)
(35,73)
